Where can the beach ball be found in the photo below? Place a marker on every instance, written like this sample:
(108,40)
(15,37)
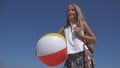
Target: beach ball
(51,49)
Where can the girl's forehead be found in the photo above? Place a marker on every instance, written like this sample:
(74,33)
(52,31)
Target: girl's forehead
(71,7)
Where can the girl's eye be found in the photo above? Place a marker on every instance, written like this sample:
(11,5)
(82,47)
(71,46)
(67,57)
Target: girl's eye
(73,9)
(70,10)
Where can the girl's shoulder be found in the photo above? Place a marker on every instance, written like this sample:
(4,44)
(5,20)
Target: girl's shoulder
(85,25)
(65,26)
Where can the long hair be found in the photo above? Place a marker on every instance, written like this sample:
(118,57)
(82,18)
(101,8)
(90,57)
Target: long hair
(80,18)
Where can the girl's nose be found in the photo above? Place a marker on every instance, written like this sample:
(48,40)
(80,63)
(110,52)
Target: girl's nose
(70,10)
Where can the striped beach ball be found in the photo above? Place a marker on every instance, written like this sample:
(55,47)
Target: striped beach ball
(51,49)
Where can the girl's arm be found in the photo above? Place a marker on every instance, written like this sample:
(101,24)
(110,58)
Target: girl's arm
(61,31)
(89,37)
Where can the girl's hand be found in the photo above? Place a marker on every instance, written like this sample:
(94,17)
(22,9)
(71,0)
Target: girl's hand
(76,29)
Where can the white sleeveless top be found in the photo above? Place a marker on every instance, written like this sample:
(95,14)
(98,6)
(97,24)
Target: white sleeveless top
(74,44)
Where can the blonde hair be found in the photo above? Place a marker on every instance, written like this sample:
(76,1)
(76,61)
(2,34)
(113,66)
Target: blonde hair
(80,17)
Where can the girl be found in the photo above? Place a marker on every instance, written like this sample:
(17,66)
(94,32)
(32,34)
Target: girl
(78,34)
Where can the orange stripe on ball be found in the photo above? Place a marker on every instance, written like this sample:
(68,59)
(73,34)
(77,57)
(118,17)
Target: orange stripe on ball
(55,58)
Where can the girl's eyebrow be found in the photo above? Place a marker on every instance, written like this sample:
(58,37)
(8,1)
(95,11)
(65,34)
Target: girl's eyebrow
(71,9)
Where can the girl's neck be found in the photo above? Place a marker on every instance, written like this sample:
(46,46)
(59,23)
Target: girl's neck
(73,22)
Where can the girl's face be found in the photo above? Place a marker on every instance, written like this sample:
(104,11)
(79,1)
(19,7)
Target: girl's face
(71,13)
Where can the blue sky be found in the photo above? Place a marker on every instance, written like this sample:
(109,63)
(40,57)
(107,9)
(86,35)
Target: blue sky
(23,22)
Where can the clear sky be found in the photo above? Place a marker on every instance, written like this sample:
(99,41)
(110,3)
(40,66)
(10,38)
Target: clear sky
(23,22)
